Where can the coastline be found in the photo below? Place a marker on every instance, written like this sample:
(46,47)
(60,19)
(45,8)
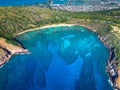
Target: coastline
(43,27)
(109,62)
(10,50)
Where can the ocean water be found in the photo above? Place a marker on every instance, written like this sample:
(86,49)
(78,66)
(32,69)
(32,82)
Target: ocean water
(62,58)
(68,2)
(19,2)
(28,2)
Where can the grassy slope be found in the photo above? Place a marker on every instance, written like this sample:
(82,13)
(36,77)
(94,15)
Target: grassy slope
(17,19)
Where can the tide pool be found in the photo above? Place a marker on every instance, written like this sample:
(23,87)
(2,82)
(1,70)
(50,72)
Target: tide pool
(62,58)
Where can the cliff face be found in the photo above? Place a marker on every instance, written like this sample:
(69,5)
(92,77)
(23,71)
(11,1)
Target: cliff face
(7,50)
(3,53)
(11,48)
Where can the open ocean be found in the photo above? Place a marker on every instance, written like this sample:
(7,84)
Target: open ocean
(29,2)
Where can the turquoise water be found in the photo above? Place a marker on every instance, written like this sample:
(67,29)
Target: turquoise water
(62,58)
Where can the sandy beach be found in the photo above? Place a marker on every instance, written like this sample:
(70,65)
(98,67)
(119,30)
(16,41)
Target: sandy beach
(55,25)
(42,27)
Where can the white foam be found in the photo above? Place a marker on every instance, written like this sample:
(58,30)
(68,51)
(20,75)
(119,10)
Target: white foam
(110,82)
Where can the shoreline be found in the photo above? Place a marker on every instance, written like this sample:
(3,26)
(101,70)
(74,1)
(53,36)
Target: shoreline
(111,64)
(10,50)
(7,57)
(101,38)
(50,26)
(43,27)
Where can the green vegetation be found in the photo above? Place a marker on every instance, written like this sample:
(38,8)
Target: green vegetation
(110,16)
(19,18)
(12,41)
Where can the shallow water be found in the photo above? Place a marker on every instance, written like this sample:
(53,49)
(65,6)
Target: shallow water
(62,58)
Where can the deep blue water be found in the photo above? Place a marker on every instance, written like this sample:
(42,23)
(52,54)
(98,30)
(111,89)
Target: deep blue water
(27,2)
(19,2)
(62,58)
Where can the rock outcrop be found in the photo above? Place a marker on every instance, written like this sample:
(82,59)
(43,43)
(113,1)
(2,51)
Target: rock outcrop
(7,50)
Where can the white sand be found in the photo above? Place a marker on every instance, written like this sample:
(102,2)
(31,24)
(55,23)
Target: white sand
(47,26)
